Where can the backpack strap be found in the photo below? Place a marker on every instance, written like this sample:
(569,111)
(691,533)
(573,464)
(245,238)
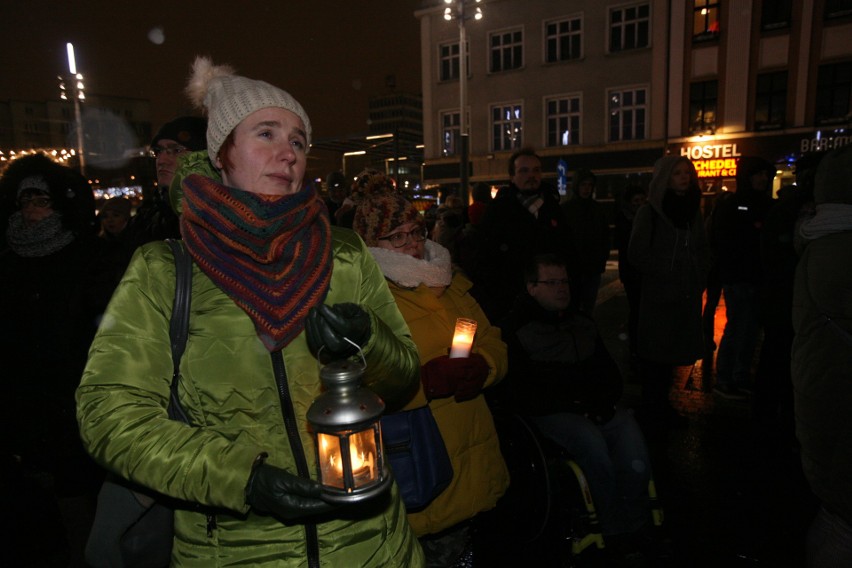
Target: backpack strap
(179,323)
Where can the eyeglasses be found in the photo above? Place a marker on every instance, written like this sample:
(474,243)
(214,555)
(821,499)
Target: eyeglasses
(175,150)
(553,283)
(40,202)
(400,239)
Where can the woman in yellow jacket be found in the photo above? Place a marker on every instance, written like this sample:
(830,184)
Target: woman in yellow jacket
(431,295)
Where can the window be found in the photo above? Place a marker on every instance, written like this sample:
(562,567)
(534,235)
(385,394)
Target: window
(506,127)
(627,110)
(450,133)
(703,98)
(705,20)
(834,91)
(770,100)
(837,9)
(776,14)
(449,61)
(563,40)
(562,121)
(507,50)
(629,27)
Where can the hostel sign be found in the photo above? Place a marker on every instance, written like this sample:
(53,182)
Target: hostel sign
(713,160)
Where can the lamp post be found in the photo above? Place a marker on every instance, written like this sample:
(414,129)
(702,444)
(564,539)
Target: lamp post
(77,92)
(464,134)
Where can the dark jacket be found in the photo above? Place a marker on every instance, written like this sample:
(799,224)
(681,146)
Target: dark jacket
(588,230)
(737,224)
(821,363)
(674,263)
(558,363)
(506,238)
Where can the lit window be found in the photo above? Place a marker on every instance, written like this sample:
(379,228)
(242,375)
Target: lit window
(450,133)
(562,121)
(627,110)
(705,20)
(703,97)
(506,127)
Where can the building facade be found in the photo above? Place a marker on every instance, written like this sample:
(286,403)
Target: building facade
(613,85)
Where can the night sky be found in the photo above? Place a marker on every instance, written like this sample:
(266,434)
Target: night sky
(332,55)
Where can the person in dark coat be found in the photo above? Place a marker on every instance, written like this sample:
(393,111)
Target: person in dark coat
(155,220)
(737,225)
(632,199)
(562,377)
(822,359)
(588,228)
(668,246)
(46,327)
(523,219)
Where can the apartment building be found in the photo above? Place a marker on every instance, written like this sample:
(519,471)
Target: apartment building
(613,85)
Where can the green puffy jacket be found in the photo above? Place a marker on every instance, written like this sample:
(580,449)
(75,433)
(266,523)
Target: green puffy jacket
(228,389)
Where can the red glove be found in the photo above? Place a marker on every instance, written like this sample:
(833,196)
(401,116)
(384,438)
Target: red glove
(462,377)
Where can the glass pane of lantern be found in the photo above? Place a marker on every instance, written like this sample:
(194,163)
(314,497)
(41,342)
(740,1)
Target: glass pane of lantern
(362,451)
(331,466)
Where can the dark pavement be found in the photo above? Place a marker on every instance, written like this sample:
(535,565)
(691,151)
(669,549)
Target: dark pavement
(731,486)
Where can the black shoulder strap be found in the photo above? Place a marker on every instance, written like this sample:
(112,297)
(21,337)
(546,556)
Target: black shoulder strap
(179,324)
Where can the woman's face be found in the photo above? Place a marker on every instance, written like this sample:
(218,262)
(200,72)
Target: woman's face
(415,243)
(35,208)
(680,178)
(269,154)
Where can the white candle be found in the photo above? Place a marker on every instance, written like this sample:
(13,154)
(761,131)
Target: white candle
(463,338)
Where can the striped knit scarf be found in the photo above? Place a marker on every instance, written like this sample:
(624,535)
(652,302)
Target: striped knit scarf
(270,254)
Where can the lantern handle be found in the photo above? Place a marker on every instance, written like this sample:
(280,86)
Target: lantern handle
(349,341)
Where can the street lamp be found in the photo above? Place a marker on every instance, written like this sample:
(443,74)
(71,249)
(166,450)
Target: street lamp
(464,135)
(74,80)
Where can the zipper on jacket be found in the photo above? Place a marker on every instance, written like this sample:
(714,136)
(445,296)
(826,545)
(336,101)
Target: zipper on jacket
(292,427)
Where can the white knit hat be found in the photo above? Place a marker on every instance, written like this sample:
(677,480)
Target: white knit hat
(229,98)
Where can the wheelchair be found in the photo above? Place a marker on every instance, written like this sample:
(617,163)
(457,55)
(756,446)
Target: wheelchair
(548,511)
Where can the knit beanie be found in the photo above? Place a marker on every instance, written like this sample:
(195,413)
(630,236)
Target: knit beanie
(189,131)
(33,185)
(379,206)
(229,98)
(833,183)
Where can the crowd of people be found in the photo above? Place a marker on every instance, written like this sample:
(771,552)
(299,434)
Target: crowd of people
(282,275)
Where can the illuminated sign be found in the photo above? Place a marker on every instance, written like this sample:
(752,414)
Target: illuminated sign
(713,160)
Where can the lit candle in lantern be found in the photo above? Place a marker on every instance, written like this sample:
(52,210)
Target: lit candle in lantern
(345,423)
(463,338)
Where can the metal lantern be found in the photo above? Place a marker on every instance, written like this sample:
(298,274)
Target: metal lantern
(347,435)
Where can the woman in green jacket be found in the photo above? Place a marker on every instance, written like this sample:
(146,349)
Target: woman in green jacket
(431,295)
(267,264)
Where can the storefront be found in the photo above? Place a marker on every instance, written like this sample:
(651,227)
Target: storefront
(715,157)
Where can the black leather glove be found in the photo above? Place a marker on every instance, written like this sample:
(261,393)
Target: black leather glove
(326,326)
(280,493)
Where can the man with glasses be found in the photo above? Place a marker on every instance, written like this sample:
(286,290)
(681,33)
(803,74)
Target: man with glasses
(155,219)
(563,378)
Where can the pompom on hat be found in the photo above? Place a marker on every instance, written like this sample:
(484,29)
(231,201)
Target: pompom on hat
(229,98)
(379,206)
